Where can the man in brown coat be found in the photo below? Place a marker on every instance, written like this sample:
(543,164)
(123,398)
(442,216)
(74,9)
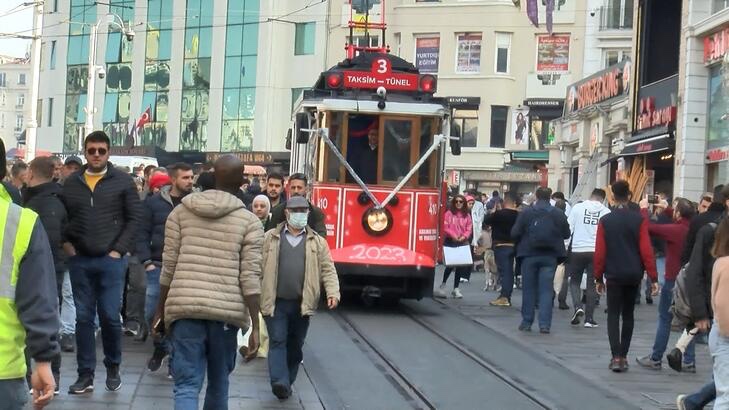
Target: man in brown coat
(211,272)
(296,263)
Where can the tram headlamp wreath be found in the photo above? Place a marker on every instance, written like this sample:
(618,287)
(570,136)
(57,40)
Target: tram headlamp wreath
(377,222)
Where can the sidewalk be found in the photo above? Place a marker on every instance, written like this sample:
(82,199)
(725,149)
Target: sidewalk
(587,351)
(142,390)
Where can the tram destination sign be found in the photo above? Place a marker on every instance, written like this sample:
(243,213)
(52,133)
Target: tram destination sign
(380,75)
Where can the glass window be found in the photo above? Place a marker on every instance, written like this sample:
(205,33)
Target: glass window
(111,102)
(248,71)
(295,94)
(18,122)
(52,60)
(21,79)
(468,55)
(149,100)
(466,122)
(614,56)
(231,99)
(20,100)
(50,112)
(718,115)
(39,112)
(250,39)
(74,50)
(160,114)
(206,42)
(80,114)
(3,80)
(426,140)
(247,106)
(396,149)
(719,5)
(113,47)
(233,70)
(617,15)
(233,40)
(499,115)
(503,47)
(304,40)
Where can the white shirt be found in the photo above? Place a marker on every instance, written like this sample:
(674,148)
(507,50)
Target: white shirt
(583,221)
(293,239)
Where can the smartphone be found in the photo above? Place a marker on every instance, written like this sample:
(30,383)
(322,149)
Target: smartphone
(653,199)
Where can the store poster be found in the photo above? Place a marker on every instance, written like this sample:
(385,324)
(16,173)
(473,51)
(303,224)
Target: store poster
(553,54)
(469,53)
(520,128)
(427,50)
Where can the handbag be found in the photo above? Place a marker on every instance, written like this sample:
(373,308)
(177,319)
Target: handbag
(457,255)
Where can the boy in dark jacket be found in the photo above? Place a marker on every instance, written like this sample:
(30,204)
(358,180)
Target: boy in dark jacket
(42,196)
(297,187)
(151,243)
(104,212)
(623,252)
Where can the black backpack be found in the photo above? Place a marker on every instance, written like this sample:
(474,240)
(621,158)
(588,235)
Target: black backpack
(542,231)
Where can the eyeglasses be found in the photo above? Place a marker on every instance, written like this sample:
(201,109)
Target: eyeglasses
(94,151)
(458,201)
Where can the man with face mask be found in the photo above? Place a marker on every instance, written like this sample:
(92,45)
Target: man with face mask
(296,263)
(297,187)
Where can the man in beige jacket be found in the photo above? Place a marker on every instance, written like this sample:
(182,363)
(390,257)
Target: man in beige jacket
(211,272)
(296,263)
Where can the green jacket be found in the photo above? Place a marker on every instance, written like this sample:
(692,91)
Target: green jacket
(316,219)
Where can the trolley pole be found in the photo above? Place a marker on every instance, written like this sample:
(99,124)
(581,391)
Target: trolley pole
(31,131)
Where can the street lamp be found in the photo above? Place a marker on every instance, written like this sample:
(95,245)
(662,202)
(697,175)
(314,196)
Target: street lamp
(112,20)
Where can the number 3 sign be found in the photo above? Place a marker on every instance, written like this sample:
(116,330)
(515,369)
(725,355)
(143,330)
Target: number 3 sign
(381,66)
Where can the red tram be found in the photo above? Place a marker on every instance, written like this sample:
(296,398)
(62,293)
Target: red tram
(371,137)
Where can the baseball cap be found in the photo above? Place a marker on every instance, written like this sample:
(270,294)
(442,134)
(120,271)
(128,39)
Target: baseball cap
(73,160)
(297,202)
(159,180)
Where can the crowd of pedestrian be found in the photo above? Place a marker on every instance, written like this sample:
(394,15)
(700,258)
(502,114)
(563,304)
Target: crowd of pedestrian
(191,256)
(595,249)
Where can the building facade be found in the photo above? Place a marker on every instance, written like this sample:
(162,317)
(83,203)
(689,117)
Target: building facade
(14,99)
(201,75)
(503,78)
(702,149)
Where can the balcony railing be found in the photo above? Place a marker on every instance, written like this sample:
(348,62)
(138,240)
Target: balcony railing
(616,18)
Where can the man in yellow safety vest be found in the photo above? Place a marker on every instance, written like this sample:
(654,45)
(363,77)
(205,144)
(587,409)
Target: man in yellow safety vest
(28,303)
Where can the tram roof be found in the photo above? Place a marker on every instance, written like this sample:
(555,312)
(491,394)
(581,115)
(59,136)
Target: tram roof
(370,107)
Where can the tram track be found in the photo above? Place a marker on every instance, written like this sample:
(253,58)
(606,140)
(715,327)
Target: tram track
(404,377)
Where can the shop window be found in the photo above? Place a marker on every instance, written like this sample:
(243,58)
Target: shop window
(466,122)
(503,49)
(305,38)
(468,54)
(499,116)
(718,113)
(719,5)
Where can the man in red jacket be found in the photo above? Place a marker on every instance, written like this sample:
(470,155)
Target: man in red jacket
(622,253)
(675,236)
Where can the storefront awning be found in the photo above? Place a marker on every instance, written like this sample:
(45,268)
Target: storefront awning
(648,146)
(542,156)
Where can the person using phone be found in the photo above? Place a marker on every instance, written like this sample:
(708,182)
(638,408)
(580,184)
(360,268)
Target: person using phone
(622,263)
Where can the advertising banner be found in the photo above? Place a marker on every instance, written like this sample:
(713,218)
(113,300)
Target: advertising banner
(553,54)
(427,50)
(520,128)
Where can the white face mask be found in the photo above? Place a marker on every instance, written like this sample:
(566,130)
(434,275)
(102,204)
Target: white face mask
(298,220)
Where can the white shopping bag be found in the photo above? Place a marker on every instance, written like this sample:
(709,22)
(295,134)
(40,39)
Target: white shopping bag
(558,278)
(583,284)
(457,256)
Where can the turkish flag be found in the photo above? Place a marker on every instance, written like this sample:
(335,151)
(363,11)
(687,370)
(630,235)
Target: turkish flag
(145,118)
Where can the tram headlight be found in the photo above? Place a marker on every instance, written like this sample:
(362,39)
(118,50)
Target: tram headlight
(377,222)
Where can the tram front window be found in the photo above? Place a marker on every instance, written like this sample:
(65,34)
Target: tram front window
(396,149)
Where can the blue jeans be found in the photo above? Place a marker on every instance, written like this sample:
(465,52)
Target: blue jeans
(68,308)
(286,333)
(504,256)
(719,348)
(537,283)
(701,398)
(201,345)
(14,393)
(152,294)
(98,283)
(663,332)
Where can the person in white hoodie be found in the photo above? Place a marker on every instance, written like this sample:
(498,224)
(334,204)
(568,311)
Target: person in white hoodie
(583,219)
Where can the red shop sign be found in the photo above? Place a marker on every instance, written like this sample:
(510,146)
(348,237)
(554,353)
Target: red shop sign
(380,75)
(716,46)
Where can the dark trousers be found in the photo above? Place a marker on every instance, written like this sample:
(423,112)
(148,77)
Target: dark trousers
(286,333)
(202,346)
(461,272)
(620,304)
(97,284)
(504,256)
(577,265)
(537,283)
(135,296)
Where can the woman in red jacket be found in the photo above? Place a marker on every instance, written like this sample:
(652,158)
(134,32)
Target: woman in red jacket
(457,227)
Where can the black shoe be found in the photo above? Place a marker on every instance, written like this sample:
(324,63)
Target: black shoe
(544,330)
(68,343)
(281,391)
(113,379)
(675,359)
(525,327)
(84,384)
(649,300)
(132,328)
(563,306)
(155,362)
(142,335)
(57,380)
(577,316)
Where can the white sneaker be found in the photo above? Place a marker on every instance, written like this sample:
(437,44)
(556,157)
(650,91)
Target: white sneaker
(457,294)
(681,402)
(440,292)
